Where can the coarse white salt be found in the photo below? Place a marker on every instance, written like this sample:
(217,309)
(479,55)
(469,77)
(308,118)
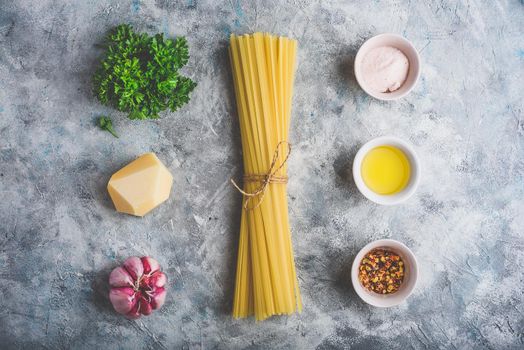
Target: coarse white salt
(385,68)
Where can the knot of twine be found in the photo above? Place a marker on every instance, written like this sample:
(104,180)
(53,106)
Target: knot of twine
(264,179)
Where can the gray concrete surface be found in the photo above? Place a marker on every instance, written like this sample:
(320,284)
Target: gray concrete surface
(60,236)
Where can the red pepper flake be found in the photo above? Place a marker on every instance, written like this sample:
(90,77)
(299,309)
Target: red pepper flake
(381,271)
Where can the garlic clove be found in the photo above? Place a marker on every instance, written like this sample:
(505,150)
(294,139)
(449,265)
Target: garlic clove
(158,279)
(123,299)
(158,297)
(150,265)
(135,311)
(119,277)
(134,266)
(145,306)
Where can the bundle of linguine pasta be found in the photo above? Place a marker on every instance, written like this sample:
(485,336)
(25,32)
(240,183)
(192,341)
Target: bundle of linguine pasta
(263,71)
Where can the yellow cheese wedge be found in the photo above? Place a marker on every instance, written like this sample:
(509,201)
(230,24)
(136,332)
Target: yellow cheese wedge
(140,186)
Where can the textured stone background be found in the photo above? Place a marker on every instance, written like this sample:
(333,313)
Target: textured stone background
(60,236)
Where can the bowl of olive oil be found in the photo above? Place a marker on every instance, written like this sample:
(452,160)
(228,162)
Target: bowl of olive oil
(386,170)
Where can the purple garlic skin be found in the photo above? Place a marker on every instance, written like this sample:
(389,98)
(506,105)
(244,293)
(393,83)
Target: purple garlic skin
(137,287)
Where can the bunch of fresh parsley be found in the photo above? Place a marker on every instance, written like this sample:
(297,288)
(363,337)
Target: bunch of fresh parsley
(139,74)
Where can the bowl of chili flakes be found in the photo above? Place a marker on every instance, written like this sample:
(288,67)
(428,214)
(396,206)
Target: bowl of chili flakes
(384,273)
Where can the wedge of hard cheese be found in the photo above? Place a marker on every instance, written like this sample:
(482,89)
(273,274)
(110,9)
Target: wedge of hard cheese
(140,186)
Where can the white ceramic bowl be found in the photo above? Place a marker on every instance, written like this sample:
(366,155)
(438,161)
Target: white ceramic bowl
(410,274)
(403,45)
(388,199)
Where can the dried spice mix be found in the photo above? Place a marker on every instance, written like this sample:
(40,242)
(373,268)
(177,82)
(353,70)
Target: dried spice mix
(381,271)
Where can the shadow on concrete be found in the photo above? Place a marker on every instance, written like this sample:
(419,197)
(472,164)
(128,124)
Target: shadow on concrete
(343,167)
(225,305)
(342,277)
(100,288)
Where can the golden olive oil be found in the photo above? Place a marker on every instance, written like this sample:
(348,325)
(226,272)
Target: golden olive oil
(386,170)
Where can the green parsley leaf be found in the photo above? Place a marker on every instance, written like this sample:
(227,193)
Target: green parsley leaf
(104,122)
(139,73)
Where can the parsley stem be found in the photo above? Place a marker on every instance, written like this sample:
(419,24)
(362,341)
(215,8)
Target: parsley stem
(105,123)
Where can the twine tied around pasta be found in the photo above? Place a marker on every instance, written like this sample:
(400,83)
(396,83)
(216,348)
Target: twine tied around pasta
(265,179)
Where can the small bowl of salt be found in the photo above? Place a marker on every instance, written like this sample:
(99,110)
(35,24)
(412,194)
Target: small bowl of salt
(387,66)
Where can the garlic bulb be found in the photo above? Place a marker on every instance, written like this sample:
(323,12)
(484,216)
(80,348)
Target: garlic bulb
(137,287)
